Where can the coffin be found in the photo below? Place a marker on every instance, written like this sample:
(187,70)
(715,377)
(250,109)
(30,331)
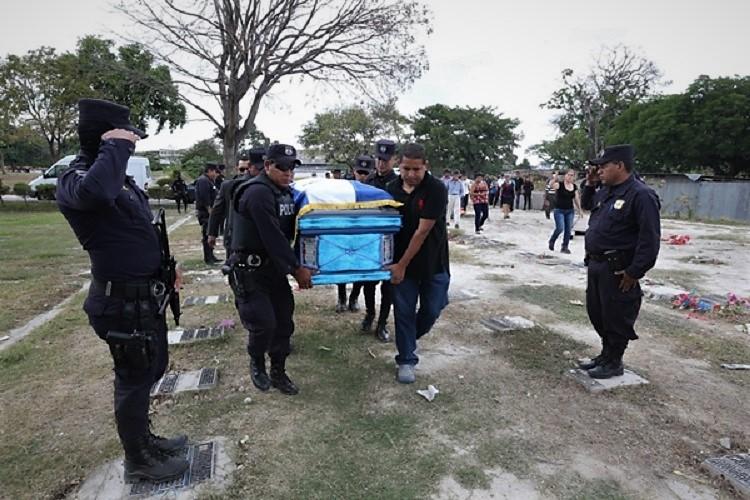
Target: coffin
(345,230)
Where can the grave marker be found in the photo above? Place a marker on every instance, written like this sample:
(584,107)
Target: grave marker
(732,468)
(628,378)
(197,380)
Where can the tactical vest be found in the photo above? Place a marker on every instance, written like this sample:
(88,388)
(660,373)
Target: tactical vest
(245,236)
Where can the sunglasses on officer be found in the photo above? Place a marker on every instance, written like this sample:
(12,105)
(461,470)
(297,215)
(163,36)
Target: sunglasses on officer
(284,168)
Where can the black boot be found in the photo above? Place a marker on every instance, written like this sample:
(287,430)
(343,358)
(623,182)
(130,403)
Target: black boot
(258,374)
(353,306)
(381,332)
(280,380)
(143,463)
(367,322)
(612,365)
(170,446)
(597,360)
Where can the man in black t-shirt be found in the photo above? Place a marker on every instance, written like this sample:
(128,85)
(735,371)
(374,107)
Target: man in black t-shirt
(421,270)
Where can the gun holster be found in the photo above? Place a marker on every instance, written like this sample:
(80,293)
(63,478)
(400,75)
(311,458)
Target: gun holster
(131,351)
(615,260)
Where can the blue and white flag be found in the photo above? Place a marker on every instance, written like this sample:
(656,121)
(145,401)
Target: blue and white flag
(316,193)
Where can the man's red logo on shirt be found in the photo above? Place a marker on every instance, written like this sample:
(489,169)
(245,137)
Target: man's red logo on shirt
(420,203)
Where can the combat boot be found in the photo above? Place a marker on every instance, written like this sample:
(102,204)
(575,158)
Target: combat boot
(171,446)
(367,322)
(341,307)
(258,373)
(381,332)
(610,368)
(597,360)
(353,306)
(142,463)
(280,380)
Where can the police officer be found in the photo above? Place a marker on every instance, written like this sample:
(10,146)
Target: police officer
(111,217)
(205,195)
(385,151)
(622,243)
(263,227)
(248,166)
(179,190)
(364,166)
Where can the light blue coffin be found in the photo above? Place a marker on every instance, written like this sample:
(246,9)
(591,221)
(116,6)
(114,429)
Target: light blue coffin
(344,246)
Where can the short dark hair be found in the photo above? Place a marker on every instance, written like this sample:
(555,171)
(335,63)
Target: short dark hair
(456,172)
(478,174)
(211,166)
(413,151)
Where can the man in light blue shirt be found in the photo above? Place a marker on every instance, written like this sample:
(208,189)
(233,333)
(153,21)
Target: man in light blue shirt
(456,191)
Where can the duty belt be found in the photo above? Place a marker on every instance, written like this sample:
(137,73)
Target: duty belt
(250,259)
(128,290)
(608,254)
(596,257)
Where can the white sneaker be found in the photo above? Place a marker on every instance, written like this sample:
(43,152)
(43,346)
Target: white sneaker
(406,374)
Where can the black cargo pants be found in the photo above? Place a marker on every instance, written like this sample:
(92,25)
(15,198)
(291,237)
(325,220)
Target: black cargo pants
(611,311)
(133,378)
(266,307)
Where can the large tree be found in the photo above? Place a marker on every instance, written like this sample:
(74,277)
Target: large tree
(706,127)
(465,137)
(341,134)
(590,102)
(231,53)
(569,150)
(41,88)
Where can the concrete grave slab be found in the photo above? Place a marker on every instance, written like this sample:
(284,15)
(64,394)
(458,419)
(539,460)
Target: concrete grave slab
(206,272)
(661,292)
(628,378)
(732,468)
(507,323)
(190,335)
(735,366)
(196,380)
(206,300)
(209,470)
(462,295)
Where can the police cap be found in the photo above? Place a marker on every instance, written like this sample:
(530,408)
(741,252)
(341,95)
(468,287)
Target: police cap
(620,152)
(385,149)
(96,116)
(364,163)
(256,156)
(283,155)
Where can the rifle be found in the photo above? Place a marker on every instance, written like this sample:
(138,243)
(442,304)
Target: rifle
(167,269)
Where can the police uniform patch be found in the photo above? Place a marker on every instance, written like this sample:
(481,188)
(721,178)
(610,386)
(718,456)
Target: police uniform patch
(619,204)
(289,151)
(382,148)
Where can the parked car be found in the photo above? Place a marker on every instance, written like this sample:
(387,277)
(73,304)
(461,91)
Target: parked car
(138,168)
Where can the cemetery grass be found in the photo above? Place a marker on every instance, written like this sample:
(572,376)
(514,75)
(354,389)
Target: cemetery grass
(43,263)
(353,431)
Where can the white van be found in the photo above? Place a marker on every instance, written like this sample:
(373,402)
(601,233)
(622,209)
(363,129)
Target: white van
(138,168)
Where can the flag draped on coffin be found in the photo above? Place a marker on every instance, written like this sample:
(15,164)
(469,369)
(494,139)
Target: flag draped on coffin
(345,229)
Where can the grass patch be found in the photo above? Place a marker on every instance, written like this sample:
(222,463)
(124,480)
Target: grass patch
(462,256)
(471,478)
(539,349)
(575,487)
(555,299)
(684,278)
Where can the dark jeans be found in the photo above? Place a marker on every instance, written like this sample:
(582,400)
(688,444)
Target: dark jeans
(386,299)
(549,203)
(563,224)
(481,212)
(412,324)
(181,199)
(527,201)
(611,311)
(518,198)
(132,386)
(464,201)
(266,311)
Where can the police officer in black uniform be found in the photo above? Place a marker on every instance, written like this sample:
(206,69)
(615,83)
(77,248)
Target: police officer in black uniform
(385,151)
(622,243)
(111,217)
(249,165)
(263,227)
(205,195)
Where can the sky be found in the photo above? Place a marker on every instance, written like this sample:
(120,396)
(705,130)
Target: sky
(501,53)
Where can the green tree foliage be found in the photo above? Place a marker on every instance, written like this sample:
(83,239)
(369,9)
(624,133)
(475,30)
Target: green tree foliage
(569,150)
(195,158)
(707,127)
(589,103)
(21,189)
(22,146)
(340,135)
(468,138)
(41,88)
